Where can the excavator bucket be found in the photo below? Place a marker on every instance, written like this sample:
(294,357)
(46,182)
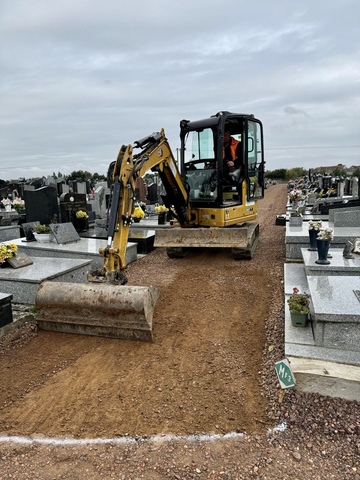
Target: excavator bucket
(104,310)
(242,240)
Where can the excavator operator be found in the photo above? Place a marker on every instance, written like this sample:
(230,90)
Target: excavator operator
(232,155)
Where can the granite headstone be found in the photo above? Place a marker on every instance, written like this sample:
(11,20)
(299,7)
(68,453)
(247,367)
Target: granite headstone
(41,205)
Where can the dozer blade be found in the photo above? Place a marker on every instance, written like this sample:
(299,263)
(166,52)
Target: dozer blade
(242,240)
(104,310)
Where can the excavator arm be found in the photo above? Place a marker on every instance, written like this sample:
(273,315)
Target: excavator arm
(155,155)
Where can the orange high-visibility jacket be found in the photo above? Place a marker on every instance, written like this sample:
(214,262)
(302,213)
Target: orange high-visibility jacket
(233,146)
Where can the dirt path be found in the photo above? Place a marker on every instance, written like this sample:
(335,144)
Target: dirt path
(200,374)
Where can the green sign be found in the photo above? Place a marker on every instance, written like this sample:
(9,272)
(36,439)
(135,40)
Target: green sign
(284,373)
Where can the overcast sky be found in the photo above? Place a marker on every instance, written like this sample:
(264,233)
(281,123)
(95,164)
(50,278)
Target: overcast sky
(80,78)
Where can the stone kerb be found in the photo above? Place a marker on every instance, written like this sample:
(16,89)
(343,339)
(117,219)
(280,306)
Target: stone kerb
(9,233)
(339,265)
(348,218)
(335,311)
(333,211)
(297,238)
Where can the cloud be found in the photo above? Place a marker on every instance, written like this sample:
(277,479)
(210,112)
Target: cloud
(81,78)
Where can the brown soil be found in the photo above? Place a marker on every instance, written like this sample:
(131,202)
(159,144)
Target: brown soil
(218,329)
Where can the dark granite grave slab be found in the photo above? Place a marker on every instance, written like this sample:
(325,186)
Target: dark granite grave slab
(144,239)
(41,205)
(70,203)
(6,316)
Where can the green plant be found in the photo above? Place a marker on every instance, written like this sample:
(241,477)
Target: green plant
(42,229)
(299,302)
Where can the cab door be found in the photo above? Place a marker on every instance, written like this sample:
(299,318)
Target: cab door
(255,163)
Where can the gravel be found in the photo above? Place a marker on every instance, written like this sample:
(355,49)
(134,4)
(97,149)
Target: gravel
(314,436)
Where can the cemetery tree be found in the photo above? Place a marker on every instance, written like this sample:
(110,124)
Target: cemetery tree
(296,172)
(97,177)
(339,172)
(58,175)
(80,174)
(356,172)
(279,174)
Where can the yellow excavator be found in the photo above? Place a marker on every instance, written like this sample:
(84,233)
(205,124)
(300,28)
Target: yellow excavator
(211,192)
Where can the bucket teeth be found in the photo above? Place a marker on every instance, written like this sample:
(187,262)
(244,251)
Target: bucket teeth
(116,277)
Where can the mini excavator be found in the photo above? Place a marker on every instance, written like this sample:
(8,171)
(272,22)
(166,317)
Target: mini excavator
(212,206)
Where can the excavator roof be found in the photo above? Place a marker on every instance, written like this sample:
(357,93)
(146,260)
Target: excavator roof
(224,116)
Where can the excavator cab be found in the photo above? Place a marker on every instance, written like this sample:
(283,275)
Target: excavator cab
(211,183)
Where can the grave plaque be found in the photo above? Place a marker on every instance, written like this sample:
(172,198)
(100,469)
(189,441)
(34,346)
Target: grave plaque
(19,260)
(65,233)
(28,231)
(347,250)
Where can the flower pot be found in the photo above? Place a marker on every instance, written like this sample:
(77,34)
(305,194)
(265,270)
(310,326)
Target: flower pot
(312,238)
(8,208)
(81,224)
(298,319)
(136,220)
(322,248)
(161,218)
(43,237)
(294,205)
(295,221)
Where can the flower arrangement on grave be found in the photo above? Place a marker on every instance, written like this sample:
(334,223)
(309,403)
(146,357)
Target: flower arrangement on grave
(18,204)
(6,203)
(331,192)
(82,214)
(138,213)
(7,250)
(315,224)
(325,234)
(142,205)
(299,302)
(42,229)
(295,195)
(161,209)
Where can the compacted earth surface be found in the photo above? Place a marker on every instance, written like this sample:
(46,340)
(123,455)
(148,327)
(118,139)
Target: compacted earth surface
(202,401)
